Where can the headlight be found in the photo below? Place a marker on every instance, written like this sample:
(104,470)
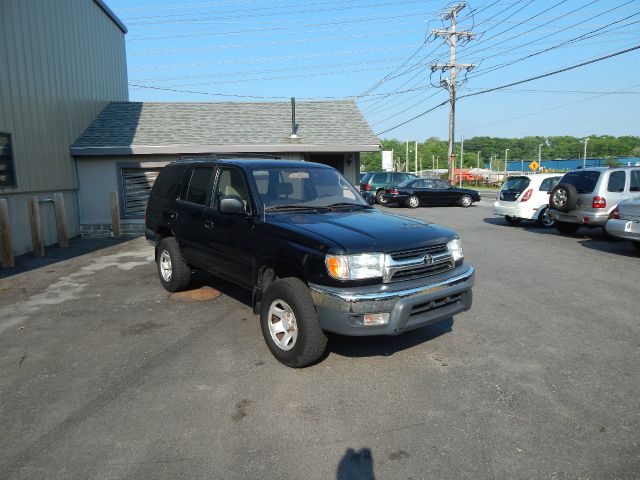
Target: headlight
(355,267)
(455,249)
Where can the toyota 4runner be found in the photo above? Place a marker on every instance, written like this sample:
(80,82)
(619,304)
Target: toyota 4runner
(316,257)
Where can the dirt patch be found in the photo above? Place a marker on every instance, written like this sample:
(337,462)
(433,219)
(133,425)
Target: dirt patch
(197,295)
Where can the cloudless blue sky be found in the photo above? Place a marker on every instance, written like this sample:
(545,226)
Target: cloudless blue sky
(265,50)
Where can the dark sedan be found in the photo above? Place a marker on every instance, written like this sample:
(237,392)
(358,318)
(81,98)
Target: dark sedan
(427,191)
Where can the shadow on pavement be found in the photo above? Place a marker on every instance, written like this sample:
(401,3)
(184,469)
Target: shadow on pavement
(356,465)
(385,345)
(53,254)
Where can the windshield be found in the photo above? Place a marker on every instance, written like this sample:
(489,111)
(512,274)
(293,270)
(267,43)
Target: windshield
(584,181)
(305,187)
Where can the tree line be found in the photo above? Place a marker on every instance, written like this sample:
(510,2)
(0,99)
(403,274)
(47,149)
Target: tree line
(432,153)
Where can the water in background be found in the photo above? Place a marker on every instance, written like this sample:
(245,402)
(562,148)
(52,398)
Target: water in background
(570,164)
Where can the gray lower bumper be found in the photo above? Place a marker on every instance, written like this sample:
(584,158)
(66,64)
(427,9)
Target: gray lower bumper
(341,310)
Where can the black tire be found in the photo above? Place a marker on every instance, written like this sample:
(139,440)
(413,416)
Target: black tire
(310,342)
(544,220)
(567,228)
(179,275)
(512,220)
(379,198)
(636,244)
(412,202)
(465,201)
(563,197)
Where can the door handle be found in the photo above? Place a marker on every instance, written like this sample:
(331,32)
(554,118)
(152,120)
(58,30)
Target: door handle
(208,224)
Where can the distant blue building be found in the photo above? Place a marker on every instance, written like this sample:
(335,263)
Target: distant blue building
(570,164)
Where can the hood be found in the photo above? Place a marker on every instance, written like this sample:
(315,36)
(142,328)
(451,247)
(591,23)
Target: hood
(365,230)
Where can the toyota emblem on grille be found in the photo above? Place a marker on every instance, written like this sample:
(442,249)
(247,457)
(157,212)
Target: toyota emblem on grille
(428,260)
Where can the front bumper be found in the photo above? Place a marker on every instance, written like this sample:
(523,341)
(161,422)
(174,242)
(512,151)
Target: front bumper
(629,229)
(583,217)
(410,305)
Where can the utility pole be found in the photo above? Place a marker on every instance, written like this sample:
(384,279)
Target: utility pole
(477,168)
(584,159)
(416,157)
(451,37)
(506,160)
(540,154)
(461,158)
(406,158)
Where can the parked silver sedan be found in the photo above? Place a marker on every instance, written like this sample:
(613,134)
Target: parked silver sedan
(624,221)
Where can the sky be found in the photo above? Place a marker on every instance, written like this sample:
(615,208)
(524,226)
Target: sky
(380,52)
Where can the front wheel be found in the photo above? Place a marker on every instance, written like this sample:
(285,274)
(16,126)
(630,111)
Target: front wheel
(544,220)
(512,220)
(413,202)
(290,324)
(567,228)
(466,201)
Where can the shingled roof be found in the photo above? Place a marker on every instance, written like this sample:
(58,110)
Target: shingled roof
(125,128)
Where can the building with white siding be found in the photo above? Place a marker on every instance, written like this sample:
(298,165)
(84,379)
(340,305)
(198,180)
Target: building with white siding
(61,63)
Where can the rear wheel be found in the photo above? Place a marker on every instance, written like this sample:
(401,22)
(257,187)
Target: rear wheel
(544,220)
(512,220)
(173,270)
(379,198)
(413,202)
(567,228)
(466,201)
(290,324)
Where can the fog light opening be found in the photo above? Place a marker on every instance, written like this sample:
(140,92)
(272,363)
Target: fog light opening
(370,319)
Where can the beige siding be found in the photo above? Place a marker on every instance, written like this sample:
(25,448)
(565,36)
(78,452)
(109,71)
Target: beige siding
(62,62)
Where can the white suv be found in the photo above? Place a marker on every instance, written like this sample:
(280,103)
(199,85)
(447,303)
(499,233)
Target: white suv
(589,196)
(525,197)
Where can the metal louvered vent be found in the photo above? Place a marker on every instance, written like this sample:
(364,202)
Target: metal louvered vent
(137,183)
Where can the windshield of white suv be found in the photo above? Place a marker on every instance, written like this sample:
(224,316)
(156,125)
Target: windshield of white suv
(305,187)
(585,181)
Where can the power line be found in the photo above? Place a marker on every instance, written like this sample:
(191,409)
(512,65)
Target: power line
(520,82)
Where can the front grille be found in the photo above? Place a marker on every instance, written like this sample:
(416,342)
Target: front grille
(420,252)
(419,262)
(433,304)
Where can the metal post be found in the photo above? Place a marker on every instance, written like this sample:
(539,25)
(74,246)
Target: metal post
(477,168)
(584,159)
(540,154)
(416,156)
(406,158)
(506,162)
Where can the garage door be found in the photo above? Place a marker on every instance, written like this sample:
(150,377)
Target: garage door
(137,183)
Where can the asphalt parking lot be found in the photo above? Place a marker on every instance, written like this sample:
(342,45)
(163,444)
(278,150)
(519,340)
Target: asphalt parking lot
(103,376)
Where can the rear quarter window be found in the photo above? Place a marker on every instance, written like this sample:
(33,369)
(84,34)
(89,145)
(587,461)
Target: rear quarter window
(617,181)
(585,181)
(379,178)
(634,185)
(548,184)
(169,180)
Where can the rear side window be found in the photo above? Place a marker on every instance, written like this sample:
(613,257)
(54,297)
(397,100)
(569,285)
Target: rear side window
(548,184)
(169,180)
(516,183)
(634,185)
(379,178)
(617,181)
(585,181)
(199,184)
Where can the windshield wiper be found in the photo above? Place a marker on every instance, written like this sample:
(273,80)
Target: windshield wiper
(275,208)
(334,206)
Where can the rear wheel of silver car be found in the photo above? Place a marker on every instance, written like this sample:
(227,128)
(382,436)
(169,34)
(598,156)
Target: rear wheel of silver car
(173,271)
(466,201)
(379,197)
(544,220)
(413,202)
(290,324)
(512,220)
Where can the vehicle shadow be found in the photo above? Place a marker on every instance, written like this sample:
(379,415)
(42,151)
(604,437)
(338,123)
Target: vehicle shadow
(385,346)
(201,279)
(356,465)
(524,225)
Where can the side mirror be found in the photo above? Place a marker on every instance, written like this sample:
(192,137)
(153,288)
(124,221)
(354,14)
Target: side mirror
(231,204)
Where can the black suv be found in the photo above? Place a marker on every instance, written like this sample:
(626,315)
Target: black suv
(314,254)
